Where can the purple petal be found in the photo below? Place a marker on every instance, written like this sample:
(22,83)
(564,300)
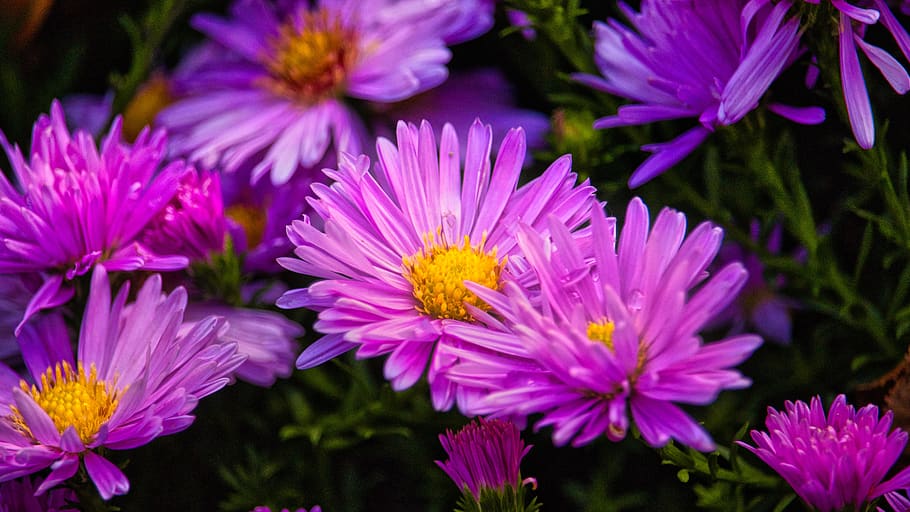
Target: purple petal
(61,471)
(51,294)
(857,98)
(891,69)
(772,319)
(108,478)
(325,348)
(801,115)
(667,154)
(37,420)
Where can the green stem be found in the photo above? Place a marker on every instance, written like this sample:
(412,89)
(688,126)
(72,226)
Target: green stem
(145,39)
(89,499)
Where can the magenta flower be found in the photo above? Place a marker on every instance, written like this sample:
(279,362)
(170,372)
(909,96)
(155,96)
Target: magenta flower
(134,378)
(678,63)
(76,206)
(484,454)
(273,97)
(834,462)
(614,333)
(851,29)
(192,224)
(19,496)
(399,242)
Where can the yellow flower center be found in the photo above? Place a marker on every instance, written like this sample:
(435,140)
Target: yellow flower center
(71,399)
(602,331)
(150,99)
(310,61)
(437,275)
(252,219)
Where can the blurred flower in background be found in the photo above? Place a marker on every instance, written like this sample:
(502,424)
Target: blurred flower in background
(282,76)
(678,63)
(460,100)
(134,378)
(19,496)
(75,205)
(759,306)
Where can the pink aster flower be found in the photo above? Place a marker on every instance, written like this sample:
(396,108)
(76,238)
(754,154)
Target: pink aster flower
(273,97)
(836,462)
(612,334)
(134,378)
(484,454)
(678,63)
(19,496)
(399,242)
(76,205)
(851,28)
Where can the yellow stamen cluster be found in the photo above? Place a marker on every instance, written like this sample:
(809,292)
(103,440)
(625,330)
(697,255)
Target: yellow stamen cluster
(71,399)
(602,331)
(438,272)
(310,62)
(251,219)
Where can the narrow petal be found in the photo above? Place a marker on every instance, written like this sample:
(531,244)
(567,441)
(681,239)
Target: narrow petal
(859,108)
(108,478)
(325,348)
(667,155)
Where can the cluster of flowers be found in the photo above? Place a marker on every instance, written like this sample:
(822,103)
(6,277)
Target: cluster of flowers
(511,301)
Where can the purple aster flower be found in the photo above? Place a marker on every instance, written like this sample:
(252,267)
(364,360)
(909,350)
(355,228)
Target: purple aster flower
(484,454)
(281,77)
(834,462)
(192,224)
(467,95)
(134,378)
(399,242)
(678,63)
(266,338)
(76,206)
(610,334)
(851,28)
(758,305)
(19,496)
